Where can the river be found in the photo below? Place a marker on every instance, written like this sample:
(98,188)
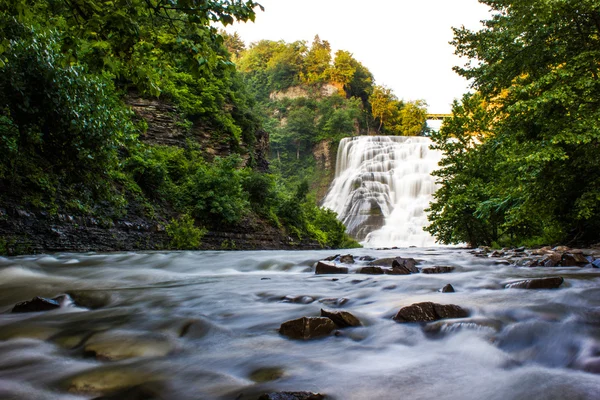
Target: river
(204,325)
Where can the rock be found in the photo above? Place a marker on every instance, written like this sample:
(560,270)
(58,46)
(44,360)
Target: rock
(145,391)
(408,264)
(292,396)
(266,374)
(342,319)
(331,258)
(37,304)
(334,302)
(536,283)
(596,263)
(107,379)
(552,259)
(573,260)
(298,299)
(428,311)
(325,267)
(307,328)
(371,270)
(367,258)
(477,324)
(438,269)
(398,271)
(447,289)
(120,345)
(561,249)
(90,298)
(347,259)
(497,253)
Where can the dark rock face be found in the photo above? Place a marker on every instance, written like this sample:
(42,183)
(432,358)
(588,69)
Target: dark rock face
(371,270)
(307,328)
(347,259)
(342,319)
(37,304)
(428,311)
(447,289)
(292,396)
(438,269)
(398,270)
(326,267)
(537,283)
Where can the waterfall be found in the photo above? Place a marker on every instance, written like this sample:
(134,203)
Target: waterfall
(382,186)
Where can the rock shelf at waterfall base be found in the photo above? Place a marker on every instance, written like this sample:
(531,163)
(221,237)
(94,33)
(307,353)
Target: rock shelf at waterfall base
(382,186)
(247,325)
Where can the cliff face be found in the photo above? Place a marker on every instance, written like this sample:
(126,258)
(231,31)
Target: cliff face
(324,153)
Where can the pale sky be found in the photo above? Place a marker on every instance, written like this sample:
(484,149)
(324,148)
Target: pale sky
(404,43)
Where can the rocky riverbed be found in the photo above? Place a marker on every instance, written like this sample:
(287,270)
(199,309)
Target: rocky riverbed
(441,323)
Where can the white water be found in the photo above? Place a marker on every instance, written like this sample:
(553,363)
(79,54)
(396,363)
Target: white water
(381,188)
(516,345)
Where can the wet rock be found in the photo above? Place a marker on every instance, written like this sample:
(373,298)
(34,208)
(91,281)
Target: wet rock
(347,259)
(367,258)
(342,319)
(107,379)
(428,311)
(90,298)
(334,302)
(120,345)
(371,270)
(307,328)
(292,396)
(573,260)
(447,289)
(331,258)
(596,263)
(409,264)
(37,304)
(497,253)
(146,391)
(298,299)
(536,283)
(476,324)
(325,267)
(266,374)
(561,249)
(438,269)
(399,270)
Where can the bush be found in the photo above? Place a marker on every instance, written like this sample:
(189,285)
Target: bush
(184,234)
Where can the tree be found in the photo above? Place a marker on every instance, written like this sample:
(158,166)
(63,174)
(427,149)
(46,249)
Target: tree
(535,63)
(317,61)
(413,116)
(386,109)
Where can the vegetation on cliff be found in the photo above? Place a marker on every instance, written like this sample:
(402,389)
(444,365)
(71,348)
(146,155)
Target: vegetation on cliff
(71,145)
(521,163)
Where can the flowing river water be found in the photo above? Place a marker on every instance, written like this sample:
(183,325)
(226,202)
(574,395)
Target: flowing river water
(204,325)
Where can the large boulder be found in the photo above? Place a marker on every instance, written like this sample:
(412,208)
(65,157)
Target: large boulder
(447,289)
(342,319)
(428,311)
(410,264)
(307,328)
(326,267)
(537,283)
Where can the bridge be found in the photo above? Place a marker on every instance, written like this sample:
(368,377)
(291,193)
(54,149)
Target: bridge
(438,117)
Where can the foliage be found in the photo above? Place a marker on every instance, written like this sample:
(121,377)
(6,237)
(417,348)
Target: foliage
(184,234)
(535,65)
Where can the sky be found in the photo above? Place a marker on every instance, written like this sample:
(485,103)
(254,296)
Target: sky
(404,43)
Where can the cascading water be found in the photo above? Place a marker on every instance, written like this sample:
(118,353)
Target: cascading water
(382,186)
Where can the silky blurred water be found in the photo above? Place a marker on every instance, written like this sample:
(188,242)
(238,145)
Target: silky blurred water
(218,313)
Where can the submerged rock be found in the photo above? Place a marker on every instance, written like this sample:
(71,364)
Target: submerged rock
(38,304)
(447,289)
(347,259)
(292,396)
(326,267)
(536,283)
(438,269)
(90,298)
(119,345)
(342,319)
(307,328)
(107,379)
(428,311)
(266,374)
(147,391)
